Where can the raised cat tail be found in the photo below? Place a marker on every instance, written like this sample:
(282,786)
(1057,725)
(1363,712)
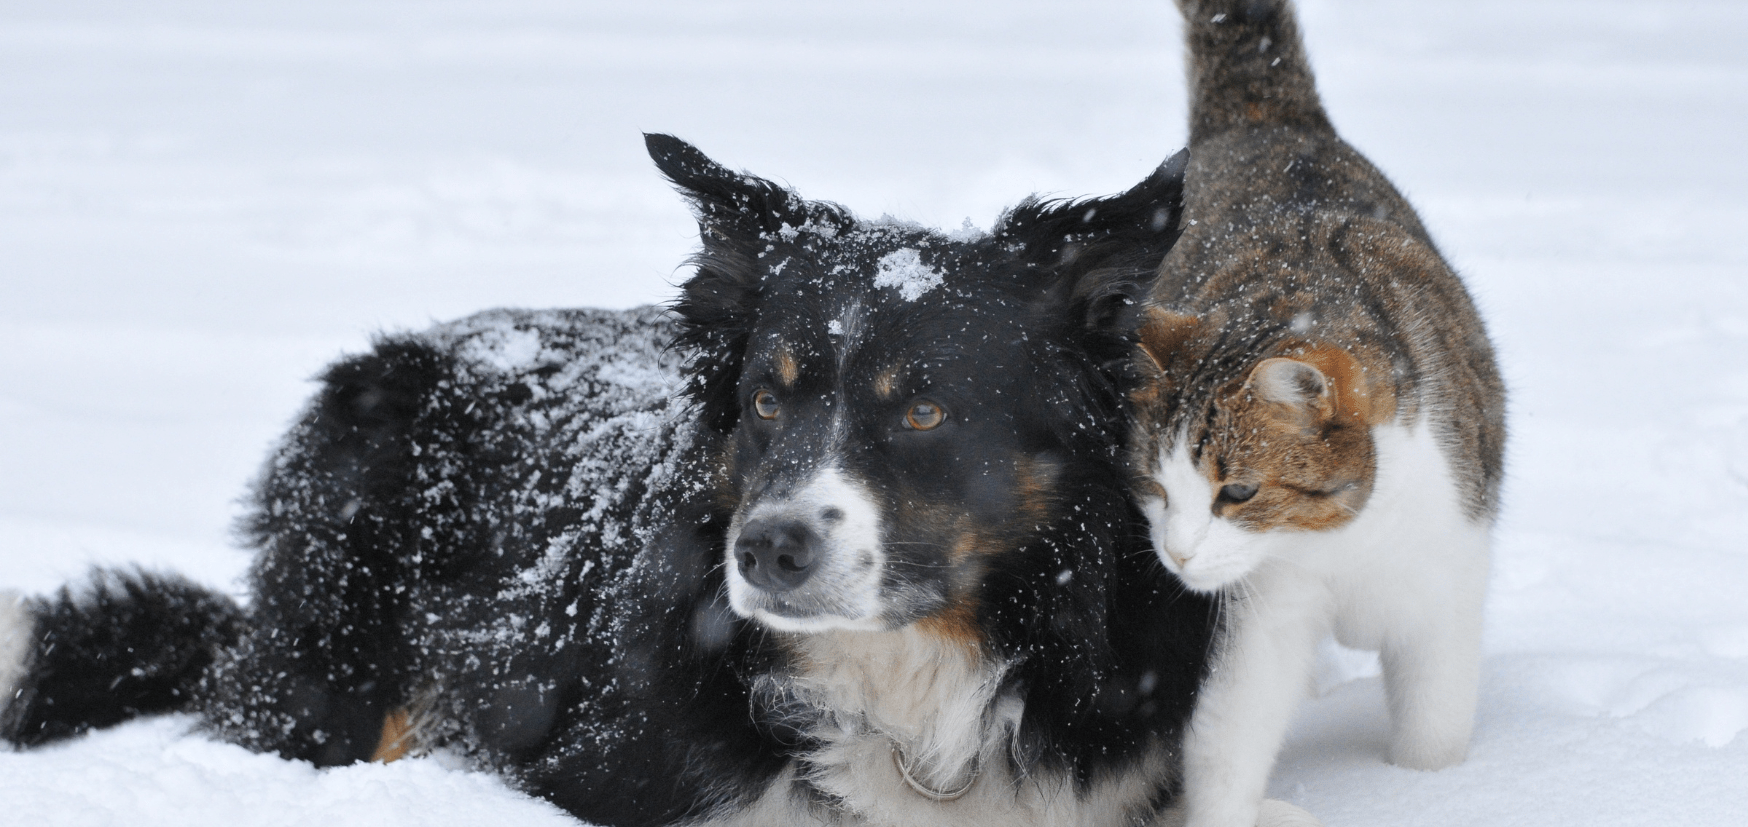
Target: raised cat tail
(1247,68)
(123,645)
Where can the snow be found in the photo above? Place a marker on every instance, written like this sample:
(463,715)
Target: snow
(203,202)
(903,270)
(506,350)
(154,773)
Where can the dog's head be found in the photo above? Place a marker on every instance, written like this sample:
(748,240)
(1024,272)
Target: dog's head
(899,408)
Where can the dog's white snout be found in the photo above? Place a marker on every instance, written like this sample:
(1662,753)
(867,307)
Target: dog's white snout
(811,558)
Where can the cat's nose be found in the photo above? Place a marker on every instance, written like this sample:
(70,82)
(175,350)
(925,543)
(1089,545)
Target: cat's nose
(1182,535)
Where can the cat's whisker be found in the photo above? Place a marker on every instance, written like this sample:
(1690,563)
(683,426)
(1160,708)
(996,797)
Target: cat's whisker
(1254,598)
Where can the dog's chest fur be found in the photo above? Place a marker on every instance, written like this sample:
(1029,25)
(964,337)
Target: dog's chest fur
(934,703)
(869,702)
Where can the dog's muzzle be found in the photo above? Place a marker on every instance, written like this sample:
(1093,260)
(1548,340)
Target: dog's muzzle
(810,559)
(777,555)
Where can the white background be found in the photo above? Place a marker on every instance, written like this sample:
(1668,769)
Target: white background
(202,203)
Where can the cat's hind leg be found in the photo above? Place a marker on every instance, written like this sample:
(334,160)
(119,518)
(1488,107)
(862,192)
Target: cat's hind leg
(1276,813)
(1432,662)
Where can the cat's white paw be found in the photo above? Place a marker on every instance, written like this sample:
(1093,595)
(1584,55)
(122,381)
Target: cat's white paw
(16,625)
(1428,754)
(1430,735)
(1274,813)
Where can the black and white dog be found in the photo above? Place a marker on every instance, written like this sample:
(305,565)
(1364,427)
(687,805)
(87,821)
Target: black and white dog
(842,538)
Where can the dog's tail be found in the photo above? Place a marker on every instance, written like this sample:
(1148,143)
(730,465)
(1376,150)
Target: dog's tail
(125,644)
(1247,68)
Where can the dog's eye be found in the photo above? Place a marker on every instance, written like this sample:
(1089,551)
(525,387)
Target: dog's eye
(765,404)
(1237,492)
(924,416)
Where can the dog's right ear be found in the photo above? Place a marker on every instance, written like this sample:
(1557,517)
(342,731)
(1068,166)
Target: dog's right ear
(1162,333)
(739,216)
(1101,255)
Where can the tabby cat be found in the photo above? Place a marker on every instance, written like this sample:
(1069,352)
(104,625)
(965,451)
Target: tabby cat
(1320,440)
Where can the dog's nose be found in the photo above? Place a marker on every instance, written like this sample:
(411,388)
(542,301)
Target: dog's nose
(776,555)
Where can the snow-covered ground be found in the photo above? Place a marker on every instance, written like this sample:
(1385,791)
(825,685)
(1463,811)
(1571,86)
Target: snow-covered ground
(203,201)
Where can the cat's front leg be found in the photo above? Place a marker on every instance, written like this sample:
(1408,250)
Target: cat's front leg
(1242,713)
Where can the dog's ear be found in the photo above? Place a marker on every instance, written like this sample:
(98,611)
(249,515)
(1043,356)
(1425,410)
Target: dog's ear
(739,216)
(1164,332)
(732,207)
(1100,256)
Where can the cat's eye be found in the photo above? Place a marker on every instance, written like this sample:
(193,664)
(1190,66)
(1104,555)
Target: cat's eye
(1237,492)
(765,404)
(924,416)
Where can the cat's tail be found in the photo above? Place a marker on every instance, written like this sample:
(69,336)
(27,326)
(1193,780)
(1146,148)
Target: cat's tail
(122,645)
(1247,68)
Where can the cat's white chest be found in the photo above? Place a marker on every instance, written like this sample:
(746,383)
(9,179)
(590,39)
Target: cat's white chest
(1412,540)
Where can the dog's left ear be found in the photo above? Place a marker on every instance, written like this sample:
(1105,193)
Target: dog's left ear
(1100,256)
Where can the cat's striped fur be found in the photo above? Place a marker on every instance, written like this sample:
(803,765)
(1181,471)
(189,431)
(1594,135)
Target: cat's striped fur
(1321,441)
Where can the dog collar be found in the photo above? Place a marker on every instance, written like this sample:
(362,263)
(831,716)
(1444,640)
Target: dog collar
(924,790)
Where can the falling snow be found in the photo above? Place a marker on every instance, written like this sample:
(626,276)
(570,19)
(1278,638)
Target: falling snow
(205,202)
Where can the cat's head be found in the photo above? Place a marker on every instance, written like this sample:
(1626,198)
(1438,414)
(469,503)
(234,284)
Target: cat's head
(1245,438)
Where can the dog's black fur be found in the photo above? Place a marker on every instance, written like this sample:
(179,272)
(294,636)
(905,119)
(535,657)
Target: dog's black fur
(515,525)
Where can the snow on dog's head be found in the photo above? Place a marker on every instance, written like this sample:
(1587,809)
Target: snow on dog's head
(899,407)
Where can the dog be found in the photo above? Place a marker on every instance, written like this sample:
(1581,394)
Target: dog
(842,537)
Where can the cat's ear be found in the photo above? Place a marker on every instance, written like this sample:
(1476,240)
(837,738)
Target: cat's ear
(1317,385)
(1163,333)
(1297,387)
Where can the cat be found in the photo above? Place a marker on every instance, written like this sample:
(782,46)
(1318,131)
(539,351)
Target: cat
(1320,438)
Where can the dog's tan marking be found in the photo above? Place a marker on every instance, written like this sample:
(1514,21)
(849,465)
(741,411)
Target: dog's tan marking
(723,471)
(397,737)
(1034,485)
(957,623)
(886,383)
(787,368)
